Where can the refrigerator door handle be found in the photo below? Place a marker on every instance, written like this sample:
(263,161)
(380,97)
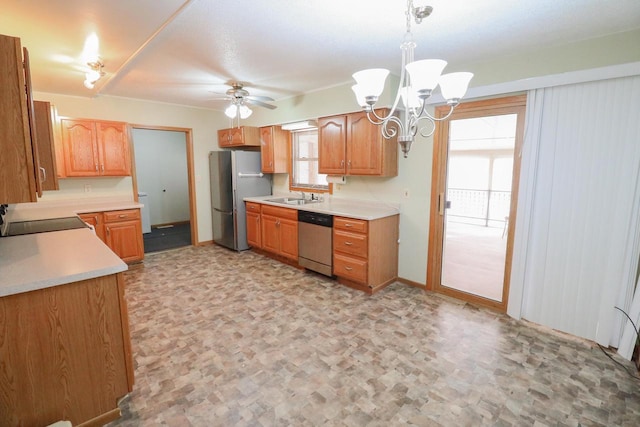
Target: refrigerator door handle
(223,212)
(250,175)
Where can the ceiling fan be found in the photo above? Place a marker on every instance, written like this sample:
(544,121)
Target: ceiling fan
(240,99)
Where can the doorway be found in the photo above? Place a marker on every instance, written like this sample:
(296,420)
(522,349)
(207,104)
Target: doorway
(164,183)
(474,191)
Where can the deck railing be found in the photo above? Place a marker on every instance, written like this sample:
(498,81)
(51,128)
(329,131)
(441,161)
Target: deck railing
(489,208)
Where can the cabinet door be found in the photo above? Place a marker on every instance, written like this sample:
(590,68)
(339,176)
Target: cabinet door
(236,136)
(224,138)
(270,234)
(113,146)
(364,149)
(254,237)
(289,238)
(80,147)
(332,140)
(274,148)
(46,149)
(17,173)
(95,220)
(125,239)
(266,149)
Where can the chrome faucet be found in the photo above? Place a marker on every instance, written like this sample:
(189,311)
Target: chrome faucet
(302,194)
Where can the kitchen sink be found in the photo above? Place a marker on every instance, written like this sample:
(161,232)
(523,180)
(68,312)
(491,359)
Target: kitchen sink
(292,201)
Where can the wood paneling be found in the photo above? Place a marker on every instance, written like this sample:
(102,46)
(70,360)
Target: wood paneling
(274,149)
(366,252)
(63,353)
(332,140)
(113,146)
(242,136)
(17,167)
(46,148)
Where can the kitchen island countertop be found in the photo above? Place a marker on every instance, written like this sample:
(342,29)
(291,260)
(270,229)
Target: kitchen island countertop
(356,209)
(37,261)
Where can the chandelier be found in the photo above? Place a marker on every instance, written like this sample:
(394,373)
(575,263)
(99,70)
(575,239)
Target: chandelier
(418,79)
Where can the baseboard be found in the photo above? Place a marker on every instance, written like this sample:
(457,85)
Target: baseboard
(412,283)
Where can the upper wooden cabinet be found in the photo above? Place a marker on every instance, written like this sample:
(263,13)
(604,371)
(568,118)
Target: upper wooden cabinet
(239,137)
(46,150)
(351,145)
(95,148)
(19,180)
(274,149)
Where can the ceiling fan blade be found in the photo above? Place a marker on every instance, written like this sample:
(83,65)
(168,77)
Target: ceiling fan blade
(260,98)
(259,103)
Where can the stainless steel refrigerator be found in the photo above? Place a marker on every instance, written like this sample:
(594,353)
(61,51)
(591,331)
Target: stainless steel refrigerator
(235,174)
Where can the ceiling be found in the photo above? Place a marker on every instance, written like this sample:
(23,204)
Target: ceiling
(180,51)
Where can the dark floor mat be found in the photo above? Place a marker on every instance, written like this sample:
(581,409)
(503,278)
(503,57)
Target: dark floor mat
(161,239)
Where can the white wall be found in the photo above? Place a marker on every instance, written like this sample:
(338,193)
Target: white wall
(203,122)
(414,172)
(161,172)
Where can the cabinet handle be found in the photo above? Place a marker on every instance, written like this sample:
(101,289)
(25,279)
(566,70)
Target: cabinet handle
(108,231)
(44,174)
(342,163)
(122,216)
(348,225)
(96,167)
(348,243)
(346,267)
(102,166)
(349,164)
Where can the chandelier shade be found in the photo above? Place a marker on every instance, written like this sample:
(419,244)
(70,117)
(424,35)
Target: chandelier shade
(425,74)
(418,79)
(454,85)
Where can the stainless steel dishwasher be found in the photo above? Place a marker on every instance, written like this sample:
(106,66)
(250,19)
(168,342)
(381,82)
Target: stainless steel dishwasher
(315,241)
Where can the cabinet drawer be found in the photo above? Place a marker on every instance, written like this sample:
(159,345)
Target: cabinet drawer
(350,268)
(351,243)
(253,207)
(350,224)
(280,212)
(115,216)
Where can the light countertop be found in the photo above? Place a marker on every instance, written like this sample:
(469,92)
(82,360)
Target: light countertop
(38,261)
(357,209)
(62,209)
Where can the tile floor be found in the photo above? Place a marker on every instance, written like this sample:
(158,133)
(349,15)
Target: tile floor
(236,339)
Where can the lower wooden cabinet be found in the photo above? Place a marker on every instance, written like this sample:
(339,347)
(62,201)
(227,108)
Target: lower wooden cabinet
(280,231)
(121,231)
(254,230)
(66,354)
(366,252)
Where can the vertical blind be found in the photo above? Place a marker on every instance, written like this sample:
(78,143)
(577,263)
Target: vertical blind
(576,245)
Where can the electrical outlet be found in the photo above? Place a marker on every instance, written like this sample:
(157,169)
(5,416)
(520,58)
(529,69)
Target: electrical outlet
(87,188)
(405,193)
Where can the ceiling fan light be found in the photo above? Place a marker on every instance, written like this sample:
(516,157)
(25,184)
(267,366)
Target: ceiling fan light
(425,73)
(454,85)
(231,111)
(89,84)
(371,81)
(244,111)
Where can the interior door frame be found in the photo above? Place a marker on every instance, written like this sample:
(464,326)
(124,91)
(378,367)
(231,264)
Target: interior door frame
(488,107)
(191,181)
